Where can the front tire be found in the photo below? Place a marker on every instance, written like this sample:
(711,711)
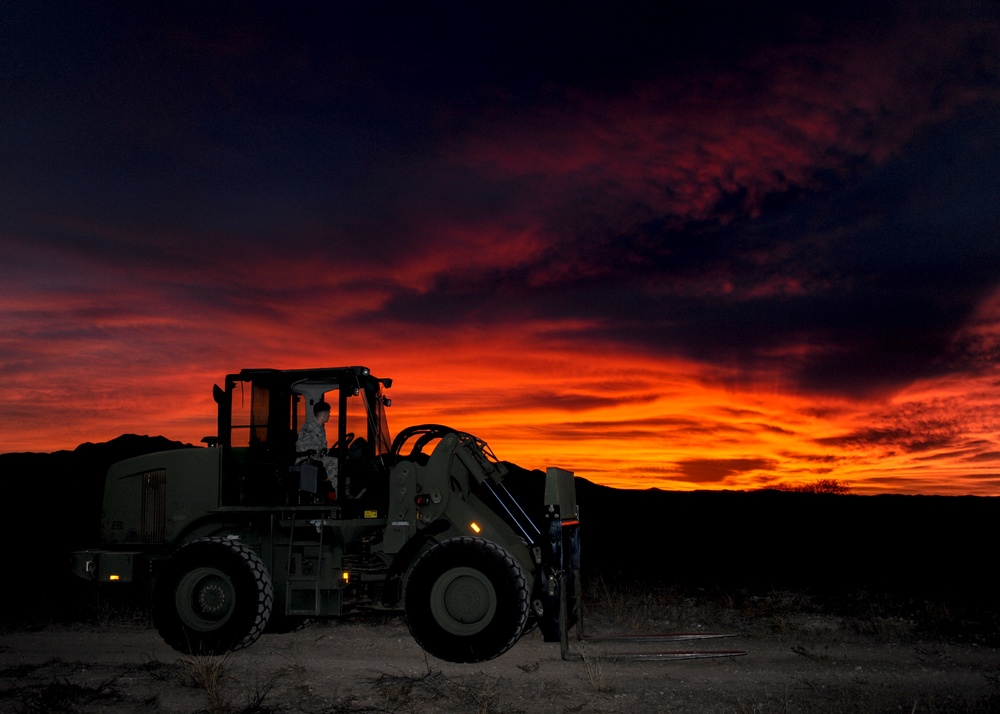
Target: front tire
(466,600)
(212,596)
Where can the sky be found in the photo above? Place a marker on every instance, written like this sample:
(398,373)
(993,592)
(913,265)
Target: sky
(717,245)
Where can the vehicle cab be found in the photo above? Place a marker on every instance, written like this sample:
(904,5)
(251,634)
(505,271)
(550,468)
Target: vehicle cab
(262,411)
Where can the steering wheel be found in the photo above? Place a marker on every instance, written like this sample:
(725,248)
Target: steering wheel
(348,438)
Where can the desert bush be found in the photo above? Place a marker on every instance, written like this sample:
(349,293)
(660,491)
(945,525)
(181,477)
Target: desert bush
(824,485)
(597,679)
(637,607)
(207,674)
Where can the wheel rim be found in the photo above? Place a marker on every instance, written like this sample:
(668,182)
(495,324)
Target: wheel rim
(463,601)
(205,599)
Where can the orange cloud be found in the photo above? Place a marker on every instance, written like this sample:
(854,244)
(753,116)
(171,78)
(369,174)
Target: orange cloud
(727,273)
(539,396)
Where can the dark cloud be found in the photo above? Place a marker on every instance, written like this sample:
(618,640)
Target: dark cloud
(903,438)
(986,456)
(704,471)
(769,198)
(727,228)
(857,290)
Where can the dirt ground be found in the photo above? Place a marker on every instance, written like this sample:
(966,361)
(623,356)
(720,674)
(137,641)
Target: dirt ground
(794,663)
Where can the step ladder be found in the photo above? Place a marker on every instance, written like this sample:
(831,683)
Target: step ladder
(302,589)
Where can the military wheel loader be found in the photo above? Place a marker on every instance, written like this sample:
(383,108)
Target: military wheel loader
(246,533)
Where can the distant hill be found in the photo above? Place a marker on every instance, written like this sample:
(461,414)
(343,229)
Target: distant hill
(65,488)
(934,546)
(919,545)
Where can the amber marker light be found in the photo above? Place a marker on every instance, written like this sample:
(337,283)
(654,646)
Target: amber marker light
(346,576)
(475,527)
(114,577)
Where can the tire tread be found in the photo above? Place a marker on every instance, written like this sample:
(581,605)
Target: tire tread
(460,549)
(164,615)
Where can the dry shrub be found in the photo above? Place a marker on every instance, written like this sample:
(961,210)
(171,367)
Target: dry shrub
(597,680)
(636,607)
(207,673)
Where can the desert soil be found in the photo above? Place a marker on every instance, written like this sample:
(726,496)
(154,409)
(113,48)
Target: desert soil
(807,663)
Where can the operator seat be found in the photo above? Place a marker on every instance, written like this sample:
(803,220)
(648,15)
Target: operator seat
(307,477)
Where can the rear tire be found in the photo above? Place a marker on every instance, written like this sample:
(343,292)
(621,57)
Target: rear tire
(212,596)
(466,600)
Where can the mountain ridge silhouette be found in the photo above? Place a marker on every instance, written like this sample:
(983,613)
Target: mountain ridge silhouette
(913,545)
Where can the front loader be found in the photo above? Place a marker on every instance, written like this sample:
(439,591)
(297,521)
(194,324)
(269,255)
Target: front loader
(247,534)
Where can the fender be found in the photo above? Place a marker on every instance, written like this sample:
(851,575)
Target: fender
(392,590)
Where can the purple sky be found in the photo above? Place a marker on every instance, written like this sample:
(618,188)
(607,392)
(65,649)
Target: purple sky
(775,223)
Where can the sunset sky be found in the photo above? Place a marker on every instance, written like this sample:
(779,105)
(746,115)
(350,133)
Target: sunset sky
(726,247)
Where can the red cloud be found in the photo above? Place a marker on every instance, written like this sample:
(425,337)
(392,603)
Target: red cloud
(712,139)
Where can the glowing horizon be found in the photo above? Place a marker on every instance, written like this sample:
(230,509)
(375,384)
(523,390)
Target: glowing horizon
(630,423)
